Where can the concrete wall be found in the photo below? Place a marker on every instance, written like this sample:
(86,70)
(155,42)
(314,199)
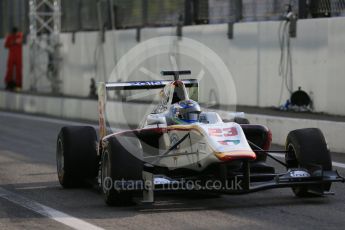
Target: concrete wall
(3,62)
(252,57)
(281,126)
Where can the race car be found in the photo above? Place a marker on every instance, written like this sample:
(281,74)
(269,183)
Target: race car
(181,147)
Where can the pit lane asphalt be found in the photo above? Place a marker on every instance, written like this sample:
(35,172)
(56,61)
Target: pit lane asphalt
(27,169)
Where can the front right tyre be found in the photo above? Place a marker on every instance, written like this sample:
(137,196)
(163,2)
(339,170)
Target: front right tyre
(307,148)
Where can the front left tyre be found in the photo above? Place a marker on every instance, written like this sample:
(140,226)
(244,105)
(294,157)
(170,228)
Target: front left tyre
(119,165)
(76,156)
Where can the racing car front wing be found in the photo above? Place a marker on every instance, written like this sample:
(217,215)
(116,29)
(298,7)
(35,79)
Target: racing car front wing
(291,178)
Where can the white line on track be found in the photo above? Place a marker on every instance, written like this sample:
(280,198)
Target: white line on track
(36,187)
(46,211)
(336,164)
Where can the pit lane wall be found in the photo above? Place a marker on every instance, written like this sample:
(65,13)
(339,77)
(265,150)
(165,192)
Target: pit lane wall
(133,113)
(252,56)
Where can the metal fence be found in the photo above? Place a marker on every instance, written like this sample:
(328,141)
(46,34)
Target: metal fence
(14,13)
(265,9)
(327,8)
(91,14)
(84,15)
(128,13)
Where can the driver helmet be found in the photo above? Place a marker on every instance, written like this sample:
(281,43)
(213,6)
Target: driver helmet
(187,111)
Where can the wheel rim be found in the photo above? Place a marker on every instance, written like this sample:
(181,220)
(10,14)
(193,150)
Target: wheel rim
(291,155)
(106,183)
(60,161)
(296,189)
(291,149)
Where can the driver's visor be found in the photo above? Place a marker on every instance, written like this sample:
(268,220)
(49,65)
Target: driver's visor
(192,116)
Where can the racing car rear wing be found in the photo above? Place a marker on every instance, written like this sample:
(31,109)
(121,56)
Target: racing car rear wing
(134,85)
(176,74)
(103,87)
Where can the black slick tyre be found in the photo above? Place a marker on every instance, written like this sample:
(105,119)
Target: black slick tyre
(119,165)
(76,156)
(307,148)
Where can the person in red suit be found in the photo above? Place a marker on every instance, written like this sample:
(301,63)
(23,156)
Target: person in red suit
(14,43)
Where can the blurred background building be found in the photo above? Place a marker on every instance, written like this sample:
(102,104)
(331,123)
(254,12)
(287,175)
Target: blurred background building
(86,15)
(76,41)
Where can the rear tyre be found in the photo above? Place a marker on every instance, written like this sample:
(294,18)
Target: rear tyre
(305,149)
(260,136)
(76,156)
(119,165)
